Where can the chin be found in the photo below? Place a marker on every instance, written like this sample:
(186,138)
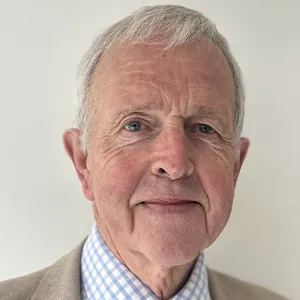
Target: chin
(172,250)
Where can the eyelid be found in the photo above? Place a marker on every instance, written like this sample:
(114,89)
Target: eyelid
(146,120)
(133,119)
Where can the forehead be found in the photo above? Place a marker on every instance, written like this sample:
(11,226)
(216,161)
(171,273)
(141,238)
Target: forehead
(197,73)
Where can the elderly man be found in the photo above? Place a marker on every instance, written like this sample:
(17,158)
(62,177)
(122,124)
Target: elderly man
(158,152)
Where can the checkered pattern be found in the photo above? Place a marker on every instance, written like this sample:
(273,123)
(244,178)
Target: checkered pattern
(105,277)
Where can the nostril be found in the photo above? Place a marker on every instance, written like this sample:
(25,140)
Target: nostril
(161,170)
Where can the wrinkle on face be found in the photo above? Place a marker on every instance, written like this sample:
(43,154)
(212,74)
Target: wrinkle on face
(225,157)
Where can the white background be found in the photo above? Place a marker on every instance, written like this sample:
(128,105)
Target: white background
(43,214)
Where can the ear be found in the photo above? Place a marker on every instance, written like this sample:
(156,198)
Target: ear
(244,146)
(72,144)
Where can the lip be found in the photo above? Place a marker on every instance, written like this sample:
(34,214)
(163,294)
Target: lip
(169,201)
(170,206)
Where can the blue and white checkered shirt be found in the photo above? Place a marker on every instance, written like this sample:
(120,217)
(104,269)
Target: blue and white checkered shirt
(105,277)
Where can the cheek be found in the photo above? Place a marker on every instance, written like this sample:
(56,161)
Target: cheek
(219,187)
(215,169)
(215,172)
(113,182)
(116,179)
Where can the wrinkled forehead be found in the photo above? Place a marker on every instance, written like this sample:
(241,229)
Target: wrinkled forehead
(129,69)
(205,56)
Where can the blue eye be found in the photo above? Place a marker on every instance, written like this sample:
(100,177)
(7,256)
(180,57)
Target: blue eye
(203,128)
(133,126)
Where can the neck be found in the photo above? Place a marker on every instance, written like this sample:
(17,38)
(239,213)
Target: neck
(163,281)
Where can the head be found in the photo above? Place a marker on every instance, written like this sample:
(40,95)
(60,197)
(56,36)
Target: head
(157,146)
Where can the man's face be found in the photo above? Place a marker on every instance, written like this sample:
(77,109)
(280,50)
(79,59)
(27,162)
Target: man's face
(163,159)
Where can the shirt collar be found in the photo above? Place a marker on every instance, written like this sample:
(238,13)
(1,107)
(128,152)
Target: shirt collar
(103,276)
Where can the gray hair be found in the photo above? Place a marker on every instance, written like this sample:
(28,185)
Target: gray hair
(178,25)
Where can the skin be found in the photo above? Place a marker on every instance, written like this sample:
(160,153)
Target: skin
(162,130)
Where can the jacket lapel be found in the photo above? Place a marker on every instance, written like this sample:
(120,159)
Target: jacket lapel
(220,289)
(62,280)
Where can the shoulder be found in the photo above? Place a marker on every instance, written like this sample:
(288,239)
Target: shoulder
(21,288)
(233,288)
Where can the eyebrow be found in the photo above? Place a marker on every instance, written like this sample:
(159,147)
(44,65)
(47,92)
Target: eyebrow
(126,110)
(209,112)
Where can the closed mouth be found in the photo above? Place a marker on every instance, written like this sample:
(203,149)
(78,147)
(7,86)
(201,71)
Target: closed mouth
(181,202)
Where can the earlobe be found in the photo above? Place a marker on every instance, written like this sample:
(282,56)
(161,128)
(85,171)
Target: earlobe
(244,147)
(72,145)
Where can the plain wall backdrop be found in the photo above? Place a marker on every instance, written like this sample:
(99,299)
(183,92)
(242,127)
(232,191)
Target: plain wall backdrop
(43,214)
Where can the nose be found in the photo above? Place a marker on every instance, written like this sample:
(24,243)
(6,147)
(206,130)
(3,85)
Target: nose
(171,157)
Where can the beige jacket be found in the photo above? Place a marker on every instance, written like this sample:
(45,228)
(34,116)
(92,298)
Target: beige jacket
(61,281)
